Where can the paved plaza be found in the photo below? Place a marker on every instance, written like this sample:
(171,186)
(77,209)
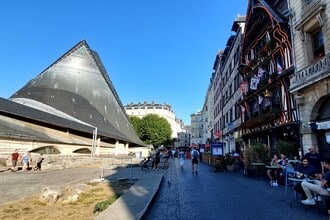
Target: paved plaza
(223,195)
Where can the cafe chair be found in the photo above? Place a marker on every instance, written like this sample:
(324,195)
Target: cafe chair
(289,171)
(323,202)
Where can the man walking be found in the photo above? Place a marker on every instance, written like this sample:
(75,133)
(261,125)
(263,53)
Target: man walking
(14,158)
(194,160)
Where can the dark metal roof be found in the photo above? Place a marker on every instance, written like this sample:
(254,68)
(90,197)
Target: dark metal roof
(75,92)
(25,113)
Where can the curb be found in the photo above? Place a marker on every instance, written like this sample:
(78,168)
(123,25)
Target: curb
(135,202)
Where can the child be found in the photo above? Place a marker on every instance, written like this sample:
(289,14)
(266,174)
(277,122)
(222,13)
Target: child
(39,161)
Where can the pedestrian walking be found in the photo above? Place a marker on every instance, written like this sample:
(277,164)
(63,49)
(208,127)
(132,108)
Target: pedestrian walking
(39,162)
(26,161)
(156,159)
(181,159)
(14,158)
(194,160)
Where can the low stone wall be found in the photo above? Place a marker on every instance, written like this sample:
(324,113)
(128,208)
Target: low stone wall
(51,162)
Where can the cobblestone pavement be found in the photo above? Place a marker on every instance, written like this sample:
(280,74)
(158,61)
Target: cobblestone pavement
(223,195)
(15,185)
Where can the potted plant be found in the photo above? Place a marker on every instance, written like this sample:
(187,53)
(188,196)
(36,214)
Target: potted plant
(229,162)
(218,163)
(255,153)
(206,157)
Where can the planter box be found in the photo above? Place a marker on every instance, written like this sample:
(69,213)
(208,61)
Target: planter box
(230,167)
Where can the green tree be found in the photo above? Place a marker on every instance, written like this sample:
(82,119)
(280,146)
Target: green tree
(290,149)
(136,123)
(154,130)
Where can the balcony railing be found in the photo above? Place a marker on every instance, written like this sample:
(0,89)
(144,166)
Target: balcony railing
(310,74)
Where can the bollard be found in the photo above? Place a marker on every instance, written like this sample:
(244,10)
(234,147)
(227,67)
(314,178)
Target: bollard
(130,171)
(102,173)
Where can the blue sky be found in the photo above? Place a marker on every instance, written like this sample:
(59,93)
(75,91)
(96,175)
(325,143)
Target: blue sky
(153,50)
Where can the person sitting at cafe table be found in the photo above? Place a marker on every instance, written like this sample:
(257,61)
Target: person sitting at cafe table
(317,187)
(273,173)
(283,162)
(305,170)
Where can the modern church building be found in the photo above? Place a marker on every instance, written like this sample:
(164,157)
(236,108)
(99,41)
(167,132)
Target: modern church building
(70,108)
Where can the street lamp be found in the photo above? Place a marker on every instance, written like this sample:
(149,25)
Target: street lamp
(94,141)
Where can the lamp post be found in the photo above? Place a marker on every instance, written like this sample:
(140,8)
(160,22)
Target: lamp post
(94,141)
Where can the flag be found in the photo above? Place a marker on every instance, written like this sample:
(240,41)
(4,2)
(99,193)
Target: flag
(218,133)
(279,66)
(267,37)
(260,99)
(242,108)
(261,72)
(284,105)
(254,83)
(247,109)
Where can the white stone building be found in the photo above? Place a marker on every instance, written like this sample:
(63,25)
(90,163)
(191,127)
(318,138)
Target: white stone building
(207,113)
(197,127)
(310,83)
(183,139)
(162,110)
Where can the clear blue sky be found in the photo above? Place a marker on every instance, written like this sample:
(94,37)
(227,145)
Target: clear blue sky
(153,50)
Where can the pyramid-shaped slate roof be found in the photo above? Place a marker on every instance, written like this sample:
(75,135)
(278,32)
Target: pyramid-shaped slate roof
(77,87)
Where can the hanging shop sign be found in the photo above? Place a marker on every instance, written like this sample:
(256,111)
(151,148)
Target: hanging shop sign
(323,125)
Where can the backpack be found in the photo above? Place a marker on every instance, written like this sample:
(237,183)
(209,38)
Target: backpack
(195,154)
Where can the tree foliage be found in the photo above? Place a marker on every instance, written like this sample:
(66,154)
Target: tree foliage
(136,122)
(152,129)
(256,152)
(290,149)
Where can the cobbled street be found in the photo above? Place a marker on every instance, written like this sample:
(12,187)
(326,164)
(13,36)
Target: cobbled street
(223,195)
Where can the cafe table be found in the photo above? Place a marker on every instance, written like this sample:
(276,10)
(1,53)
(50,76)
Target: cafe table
(273,167)
(296,180)
(258,164)
(258,169)
(294,163)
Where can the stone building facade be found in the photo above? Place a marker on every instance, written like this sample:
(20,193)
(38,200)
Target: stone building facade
(226,92)
(162,110)
(196,129)
(310,83)
(207,113)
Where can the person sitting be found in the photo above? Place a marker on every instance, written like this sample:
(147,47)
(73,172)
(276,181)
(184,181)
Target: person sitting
(305,169)
(317,187)
(282,162)
(273,173)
